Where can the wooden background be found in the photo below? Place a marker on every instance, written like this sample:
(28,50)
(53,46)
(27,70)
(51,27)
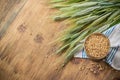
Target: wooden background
(26,30)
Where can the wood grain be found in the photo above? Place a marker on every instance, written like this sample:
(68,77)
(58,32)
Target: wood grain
(9,10)
(26,52)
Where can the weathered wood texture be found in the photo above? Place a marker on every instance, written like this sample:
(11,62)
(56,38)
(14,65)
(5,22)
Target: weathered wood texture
(8,12)
(26,30)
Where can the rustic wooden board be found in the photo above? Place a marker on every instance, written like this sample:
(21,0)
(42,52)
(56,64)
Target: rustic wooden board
(26,52)
(8,12)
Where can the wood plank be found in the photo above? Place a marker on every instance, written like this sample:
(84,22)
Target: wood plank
(8,12)
(5,6)
(26,52)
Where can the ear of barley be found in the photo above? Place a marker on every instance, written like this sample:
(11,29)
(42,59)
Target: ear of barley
(99,20)
(86,17)
(78,5)
(85,12)
(116,13)
(87,20)
(72,52)
(61,49)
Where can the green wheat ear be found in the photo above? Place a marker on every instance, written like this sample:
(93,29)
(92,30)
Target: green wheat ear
(87,16)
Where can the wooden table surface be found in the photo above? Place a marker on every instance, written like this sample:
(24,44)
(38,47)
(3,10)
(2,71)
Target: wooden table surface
(26,30)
